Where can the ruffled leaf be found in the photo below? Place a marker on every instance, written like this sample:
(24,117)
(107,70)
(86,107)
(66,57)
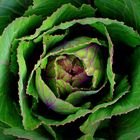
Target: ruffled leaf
(9,10)
(47,7)
(75,97)
(16,29)
(124,10)
(50,99)
(13,60)
(69,119)
(5,137)
(106,110)
(117,30)
(24,50)
(63,14)
(127,126)
(110,73)
(21,133)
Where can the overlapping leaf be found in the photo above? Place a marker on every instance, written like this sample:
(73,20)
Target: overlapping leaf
(21,133)
(24,50)
(47,7)
(9,10)
(105,110)
(17,29)
(62,15)
(61,20)
(124,10)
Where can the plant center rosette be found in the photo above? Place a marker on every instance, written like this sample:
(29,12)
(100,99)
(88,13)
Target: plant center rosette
(70,73)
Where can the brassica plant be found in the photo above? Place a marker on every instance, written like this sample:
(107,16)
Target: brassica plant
(69,69)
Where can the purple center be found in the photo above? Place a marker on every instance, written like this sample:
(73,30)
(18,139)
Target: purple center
(74,72)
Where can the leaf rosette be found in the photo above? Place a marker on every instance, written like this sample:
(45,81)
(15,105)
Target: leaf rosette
(68,71)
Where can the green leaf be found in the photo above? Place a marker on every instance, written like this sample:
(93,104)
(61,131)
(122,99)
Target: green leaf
(20,27)
(21,133)
(50,99)
(51,131)
(109,69)
(124,10)
(5,107)
(47,7)
(13,59)
(4,21)
(3,125)
(75,97)
(5,137)
(16,29)
(9,10)
(127,126)
(105,110)
(62,15)
(23,51)
(86,137)
(117,30)
(75,45)
(31,89)
(50,40)
(69,119)
(131,100)
(74,2)
(110,73)
(127,103)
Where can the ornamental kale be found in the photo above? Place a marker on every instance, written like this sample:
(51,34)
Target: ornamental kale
(69,69)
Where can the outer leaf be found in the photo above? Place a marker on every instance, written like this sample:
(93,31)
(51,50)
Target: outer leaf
(127,126)
(109,70)
(105,110)
(63,14)
(31,89)
(29,121)
(124,10)
(86,137)
(74,2)
(126,104)
(47,7)
(18,28)
(5,137)
(51,131)
(110,73)
(117,30)
(131,101)
(9,10)
(4,20)
(3,125)
(69,119)
(21,133)
(13,60)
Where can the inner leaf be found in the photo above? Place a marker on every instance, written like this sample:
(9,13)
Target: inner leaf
(67,74)
(74,72)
